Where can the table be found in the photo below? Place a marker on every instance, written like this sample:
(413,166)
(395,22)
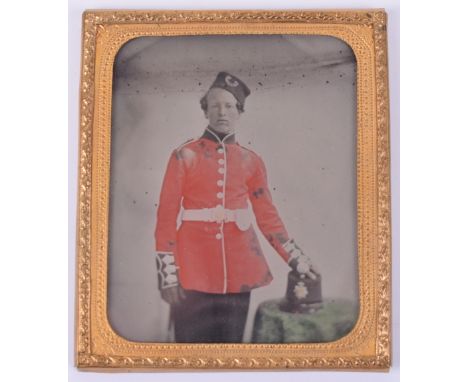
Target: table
(334,320)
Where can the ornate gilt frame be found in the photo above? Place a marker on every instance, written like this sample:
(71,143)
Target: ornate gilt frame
(98,347)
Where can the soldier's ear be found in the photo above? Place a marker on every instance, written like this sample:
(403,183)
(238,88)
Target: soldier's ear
(205,111)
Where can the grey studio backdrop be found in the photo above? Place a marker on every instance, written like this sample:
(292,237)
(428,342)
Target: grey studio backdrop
(300,117)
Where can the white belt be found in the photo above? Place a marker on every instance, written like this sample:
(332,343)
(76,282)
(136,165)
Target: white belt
(219,214)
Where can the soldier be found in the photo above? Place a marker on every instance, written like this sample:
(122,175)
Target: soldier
(208,267)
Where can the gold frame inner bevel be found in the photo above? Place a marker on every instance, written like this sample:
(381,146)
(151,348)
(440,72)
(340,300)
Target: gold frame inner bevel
(367,346)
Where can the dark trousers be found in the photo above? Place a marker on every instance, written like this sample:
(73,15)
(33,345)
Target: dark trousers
(207,317)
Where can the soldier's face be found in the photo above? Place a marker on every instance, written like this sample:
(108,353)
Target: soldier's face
(222,112)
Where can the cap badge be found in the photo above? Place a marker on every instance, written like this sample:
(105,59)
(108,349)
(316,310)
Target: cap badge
(300,290)
(231,81)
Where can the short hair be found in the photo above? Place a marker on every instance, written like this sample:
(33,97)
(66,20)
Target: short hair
(204,104)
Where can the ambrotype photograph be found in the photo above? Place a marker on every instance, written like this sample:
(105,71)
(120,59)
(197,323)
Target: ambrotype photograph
(232,210)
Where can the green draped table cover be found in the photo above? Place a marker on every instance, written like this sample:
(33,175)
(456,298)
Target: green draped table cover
(334,320)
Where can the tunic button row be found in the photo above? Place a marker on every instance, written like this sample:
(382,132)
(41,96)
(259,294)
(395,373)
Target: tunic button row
(220,182)
(219,236)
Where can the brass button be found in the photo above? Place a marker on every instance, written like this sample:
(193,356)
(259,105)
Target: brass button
(219,195)
(219,236)
(220,183)
(221,170)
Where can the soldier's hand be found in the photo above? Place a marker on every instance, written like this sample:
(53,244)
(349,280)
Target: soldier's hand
(299,261)
(303,265)
(308,270)
(173,295)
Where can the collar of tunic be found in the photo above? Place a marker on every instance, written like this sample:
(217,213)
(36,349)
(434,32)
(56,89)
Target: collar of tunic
(212,135)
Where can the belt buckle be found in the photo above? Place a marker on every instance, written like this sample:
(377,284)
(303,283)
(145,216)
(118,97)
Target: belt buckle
(219,214)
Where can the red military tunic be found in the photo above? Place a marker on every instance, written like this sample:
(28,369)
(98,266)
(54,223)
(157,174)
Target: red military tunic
(217,257)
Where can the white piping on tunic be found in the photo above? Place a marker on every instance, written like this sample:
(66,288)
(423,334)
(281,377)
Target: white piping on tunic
(221,142)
